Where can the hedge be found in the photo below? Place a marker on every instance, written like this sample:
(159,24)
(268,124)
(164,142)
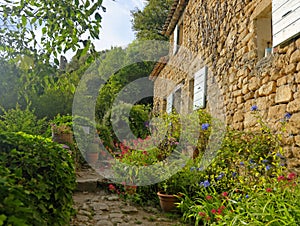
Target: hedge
(37,179)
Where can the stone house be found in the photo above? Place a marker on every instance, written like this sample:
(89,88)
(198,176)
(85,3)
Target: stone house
(227,56)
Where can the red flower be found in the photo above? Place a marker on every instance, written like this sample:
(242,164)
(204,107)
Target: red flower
(268,189)
(202,214)
(224,193)
(208,197)
(219,211)
(222,207)
(280,178)
(145,152)
(214,211)
(291,176)
(111,187)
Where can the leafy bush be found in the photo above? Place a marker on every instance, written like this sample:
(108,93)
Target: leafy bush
(15,120)
(37,181)
(136,120)
(244,185)
(166,134)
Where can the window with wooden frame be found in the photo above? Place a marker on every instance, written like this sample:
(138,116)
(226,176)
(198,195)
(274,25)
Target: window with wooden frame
(263,24)
(178,36)
(174,100)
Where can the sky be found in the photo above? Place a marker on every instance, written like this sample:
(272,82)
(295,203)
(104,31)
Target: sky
(116,23)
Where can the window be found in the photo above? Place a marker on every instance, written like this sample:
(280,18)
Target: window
(286,20)
(191,94)
(177,101)
(263,25)
(169,103)
(200,88)
(174,101)
(178,36)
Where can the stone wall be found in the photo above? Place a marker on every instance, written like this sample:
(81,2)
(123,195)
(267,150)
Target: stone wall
(225,36)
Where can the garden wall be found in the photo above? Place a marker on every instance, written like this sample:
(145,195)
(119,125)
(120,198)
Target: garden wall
(230,37)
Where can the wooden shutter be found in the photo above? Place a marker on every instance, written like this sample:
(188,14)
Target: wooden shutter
(175,40)
(286,20)
(200,88)
(169,103)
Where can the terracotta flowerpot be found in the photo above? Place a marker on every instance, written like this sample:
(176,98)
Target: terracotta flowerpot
(92,157)
(167,202)
(63,138)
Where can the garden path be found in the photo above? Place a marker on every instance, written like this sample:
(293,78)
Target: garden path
(96,207)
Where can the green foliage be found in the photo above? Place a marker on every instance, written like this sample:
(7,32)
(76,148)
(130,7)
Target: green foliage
(15,120)
(114,68)
(117,117)
(62,23)
(161,144)
(148,23)
(37,181)
(9,83)
(243,185)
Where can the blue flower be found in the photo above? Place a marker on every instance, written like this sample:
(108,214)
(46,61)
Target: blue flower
(146,124)
(268,167)
(205,126)
(254,108)
(287,115)
(220,176)
(192,168)
(205,184)
(247,196)
(265,160)
(279,155)
(242,163)
(251,161)
(200,169)
(234,174)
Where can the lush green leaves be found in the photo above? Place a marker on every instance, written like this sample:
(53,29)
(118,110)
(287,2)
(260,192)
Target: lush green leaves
(62,23)
(37,180)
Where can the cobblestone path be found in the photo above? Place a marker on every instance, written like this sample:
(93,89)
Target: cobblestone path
(96,207)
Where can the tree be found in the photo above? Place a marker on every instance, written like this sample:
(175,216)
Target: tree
(63,25)
(148,23)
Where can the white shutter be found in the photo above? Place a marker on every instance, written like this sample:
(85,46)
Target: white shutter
(285,20)
(200,88)
(175,40)
(169,103)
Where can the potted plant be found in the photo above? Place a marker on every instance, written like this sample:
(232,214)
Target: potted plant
(62,134)
(169,191)
(184,181)
(92,154)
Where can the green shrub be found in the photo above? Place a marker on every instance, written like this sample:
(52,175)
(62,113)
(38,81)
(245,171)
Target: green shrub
(137,120)
(243,185)
(37,181)
(15,120)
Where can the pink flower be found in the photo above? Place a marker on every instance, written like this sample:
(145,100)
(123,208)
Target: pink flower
(214,211)
(280,178)
(268,189)
(291,176)
(202,214)
(208,197)
(225,194)
(111,187)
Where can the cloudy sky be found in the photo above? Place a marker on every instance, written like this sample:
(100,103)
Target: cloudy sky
(116,23)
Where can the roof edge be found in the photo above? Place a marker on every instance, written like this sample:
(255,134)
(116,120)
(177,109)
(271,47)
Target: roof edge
(175,12)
